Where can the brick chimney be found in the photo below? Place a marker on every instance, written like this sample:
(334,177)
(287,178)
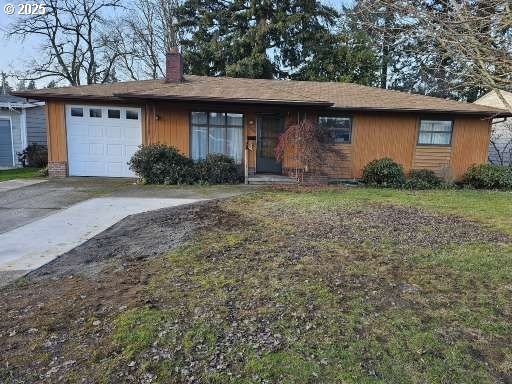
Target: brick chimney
(174,66)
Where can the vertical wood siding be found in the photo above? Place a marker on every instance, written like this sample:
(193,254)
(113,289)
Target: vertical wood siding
(250,130)
(376,136)
(171,127)
(470,143)
(57,137)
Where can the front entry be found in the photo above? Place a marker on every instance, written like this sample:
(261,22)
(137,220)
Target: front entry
(269,127)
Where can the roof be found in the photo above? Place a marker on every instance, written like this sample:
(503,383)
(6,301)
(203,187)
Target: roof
(333,95)
(491,99)
(12,101)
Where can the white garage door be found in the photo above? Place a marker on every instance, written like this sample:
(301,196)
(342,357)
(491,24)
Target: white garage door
(102,139)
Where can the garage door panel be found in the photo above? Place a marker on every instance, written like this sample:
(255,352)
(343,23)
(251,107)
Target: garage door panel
(131,149)
(102,146)
(95,131)
(115,168)
(132,134)
(114,150)
(114,133)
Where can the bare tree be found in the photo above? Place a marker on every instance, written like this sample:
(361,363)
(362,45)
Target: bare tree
(479,34)
(149,30)
(501,143)
(75,45)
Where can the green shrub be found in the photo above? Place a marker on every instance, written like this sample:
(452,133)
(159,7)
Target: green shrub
(384,173)
(218,169)
(35,155)
(488,176)
(423,179)
(161,164)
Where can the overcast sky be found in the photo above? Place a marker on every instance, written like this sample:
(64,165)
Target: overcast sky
(14,53)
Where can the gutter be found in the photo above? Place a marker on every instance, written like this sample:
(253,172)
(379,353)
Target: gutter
(319,103)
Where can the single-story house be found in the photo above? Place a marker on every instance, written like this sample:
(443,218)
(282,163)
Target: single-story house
(500,146)
(95,129)
(21,123)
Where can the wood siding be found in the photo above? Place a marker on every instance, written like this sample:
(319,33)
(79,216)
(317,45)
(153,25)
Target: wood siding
(470,144)
(250,130)
(167,124)
(383,135)
(434,158)
(375,135)
(57,136)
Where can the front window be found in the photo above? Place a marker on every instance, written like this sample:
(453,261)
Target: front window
(217,132)
(339,129)
(435,132)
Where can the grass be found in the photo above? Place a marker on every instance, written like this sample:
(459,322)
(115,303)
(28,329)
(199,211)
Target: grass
(19,173)
(279,305)
(338,286)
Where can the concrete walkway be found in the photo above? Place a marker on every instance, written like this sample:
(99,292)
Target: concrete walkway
(35,244)
(18,183)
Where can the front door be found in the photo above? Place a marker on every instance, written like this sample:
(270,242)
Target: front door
(269,128)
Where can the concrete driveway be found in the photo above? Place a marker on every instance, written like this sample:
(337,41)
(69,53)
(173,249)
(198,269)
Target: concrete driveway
(39,222)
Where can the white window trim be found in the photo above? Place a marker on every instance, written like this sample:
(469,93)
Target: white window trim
(23,125)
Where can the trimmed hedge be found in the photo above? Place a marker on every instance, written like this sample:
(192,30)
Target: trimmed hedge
(488,176)
(217,169)
(423,179)
(384,173)
(162,164)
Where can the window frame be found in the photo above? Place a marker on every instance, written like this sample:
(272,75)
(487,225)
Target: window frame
(113,109)
(71,108)
(131,110)
(225,126)
(91,109)
(426,118)
(349,117)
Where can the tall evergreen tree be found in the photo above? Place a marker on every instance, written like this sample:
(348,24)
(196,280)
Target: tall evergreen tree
(257,39)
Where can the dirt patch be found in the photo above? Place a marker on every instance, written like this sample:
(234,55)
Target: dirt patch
(403,226)
(135,237)
(263,294)
(58,318)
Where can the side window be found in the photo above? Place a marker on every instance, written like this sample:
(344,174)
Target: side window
(338,128)
(114,114)
(77,112)
(132,115)
(95,112)
(435,132)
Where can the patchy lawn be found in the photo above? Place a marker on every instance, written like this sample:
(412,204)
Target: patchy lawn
(19,173)
(349,286)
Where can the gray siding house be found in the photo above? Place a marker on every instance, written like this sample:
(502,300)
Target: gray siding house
(21,123)
(500,147)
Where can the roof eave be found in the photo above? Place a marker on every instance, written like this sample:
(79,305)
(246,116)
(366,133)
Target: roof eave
(319,103)
(486,113)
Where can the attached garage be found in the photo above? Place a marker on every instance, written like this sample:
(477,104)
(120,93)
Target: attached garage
(102,139)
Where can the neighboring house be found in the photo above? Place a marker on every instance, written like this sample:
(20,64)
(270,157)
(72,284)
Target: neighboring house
(95,129)
(21,123)
(500,147)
